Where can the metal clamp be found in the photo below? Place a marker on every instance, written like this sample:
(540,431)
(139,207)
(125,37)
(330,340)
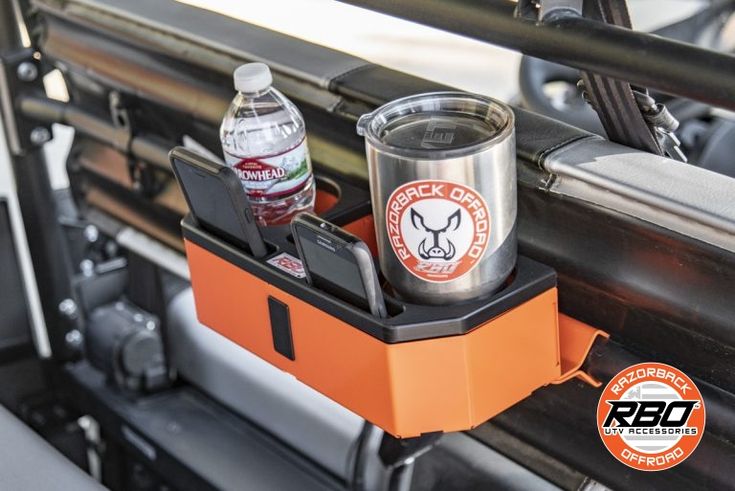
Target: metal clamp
(575,342)
(20,74)
(542,10)
(663,123)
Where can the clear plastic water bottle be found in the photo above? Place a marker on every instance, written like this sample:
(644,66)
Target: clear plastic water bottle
(264,141)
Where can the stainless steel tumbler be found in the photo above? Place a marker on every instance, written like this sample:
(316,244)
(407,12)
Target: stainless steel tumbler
(442,172)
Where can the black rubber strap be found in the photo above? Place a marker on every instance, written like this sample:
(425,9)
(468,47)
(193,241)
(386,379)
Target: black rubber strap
(613,100)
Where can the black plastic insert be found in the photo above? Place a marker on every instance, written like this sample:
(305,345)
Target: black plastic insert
(281,327)
(415,321)
(407,321)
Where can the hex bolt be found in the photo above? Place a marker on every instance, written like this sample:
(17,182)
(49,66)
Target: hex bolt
(91,233)
(40,135)
(27,71)
(87,267)
(114,98)
(74,339)
(68,308)
(111,248)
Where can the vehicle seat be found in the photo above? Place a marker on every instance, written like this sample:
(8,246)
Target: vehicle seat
(27,461)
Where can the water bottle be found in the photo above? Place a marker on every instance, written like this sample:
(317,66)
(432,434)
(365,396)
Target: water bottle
(264,141)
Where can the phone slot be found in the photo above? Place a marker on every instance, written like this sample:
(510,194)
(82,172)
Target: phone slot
(280,319)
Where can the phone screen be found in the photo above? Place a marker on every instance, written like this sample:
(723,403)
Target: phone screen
(332,267)
(209,200)
(216,199)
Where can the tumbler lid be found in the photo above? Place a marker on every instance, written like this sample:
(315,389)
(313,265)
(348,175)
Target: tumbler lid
(437,125)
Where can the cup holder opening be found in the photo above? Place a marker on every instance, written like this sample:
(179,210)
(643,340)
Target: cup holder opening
(328,194)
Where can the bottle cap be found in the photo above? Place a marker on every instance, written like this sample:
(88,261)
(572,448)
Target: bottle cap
(253,77)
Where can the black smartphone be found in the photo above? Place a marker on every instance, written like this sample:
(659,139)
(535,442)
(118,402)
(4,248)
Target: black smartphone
(338,262)
(217,200)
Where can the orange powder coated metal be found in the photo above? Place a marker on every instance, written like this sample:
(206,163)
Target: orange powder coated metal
(576,339)
(441,384)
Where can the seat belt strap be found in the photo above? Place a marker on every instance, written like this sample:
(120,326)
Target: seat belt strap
(629,114)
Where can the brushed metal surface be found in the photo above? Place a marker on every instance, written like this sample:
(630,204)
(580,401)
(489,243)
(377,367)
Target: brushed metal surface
(489,168)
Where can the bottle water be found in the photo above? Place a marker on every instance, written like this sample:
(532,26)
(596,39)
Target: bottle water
(264,141)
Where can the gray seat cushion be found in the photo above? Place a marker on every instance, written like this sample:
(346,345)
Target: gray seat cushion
(27,461)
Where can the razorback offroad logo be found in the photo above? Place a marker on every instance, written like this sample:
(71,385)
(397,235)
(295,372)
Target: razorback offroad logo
(651,416)
(439,230)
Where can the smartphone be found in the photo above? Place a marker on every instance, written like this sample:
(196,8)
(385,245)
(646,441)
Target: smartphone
(217,200)
(338,262)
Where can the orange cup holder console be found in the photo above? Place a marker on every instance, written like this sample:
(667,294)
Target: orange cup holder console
(424,369)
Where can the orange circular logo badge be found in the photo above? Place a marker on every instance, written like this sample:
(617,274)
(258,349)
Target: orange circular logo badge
(651,416)
(439,230)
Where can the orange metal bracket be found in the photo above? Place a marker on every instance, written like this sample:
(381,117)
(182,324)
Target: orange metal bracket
(575,341)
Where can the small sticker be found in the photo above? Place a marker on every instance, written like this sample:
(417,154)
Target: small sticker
(651,416)
(439,230)
(291,265)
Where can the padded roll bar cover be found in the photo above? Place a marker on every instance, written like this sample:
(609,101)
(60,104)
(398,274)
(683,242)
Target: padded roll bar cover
(29,462)
(680,197)
(537,136)
(174,20)
(273,399)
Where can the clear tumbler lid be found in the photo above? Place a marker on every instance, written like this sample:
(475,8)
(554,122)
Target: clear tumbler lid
(437,125)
